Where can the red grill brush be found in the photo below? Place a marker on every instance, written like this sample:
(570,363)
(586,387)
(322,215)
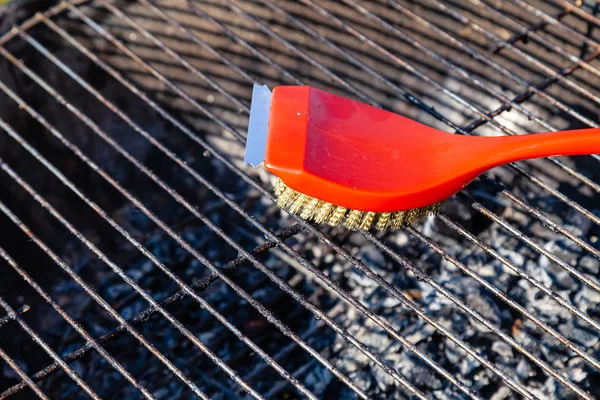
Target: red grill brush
(342,161)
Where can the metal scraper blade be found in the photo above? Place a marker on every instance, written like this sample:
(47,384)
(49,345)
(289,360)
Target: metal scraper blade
(258,126)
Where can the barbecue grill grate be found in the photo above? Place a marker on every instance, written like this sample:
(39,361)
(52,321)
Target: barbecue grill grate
(125,124)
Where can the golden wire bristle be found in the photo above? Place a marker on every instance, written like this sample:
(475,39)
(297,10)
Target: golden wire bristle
(321,212)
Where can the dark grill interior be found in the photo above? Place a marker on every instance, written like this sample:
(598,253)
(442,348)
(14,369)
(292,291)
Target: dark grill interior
(141,259)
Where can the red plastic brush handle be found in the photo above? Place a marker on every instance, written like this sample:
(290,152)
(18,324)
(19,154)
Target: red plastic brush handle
(358,156)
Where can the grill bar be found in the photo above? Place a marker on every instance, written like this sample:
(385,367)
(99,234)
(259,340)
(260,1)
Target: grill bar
(524,32)
(149,312)
(564,28)
(8,319)
(579,12)
(15,367)
(93,344)
(497,67)
(523,274)
(546,43)
(468,271)
(65,367)
(477,316)
(541,65)
(553,76)
(92,293)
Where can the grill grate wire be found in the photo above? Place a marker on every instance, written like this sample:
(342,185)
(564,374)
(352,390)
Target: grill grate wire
(279,241)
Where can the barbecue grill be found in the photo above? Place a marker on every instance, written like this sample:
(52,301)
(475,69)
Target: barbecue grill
(141,259)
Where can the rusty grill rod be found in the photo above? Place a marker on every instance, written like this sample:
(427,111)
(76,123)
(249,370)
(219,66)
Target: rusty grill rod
(533,60)
(564,28)
(553,76)
(33,335)
(146,314)
(91,342)
(92,293)
(486,60)
(7,319)
(546,19)
(28,381)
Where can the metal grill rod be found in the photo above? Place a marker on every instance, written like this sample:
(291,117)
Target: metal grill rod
(186,131)
(68,370)
(94,295)
(229,33)
(564,28)
(531,59)
(540,64)
(547,20)
(146,314)
(77,327)
(15,367)
(476,315)
(7,318)
(499,293)
(579,12)
(523,274)
(497,67)
(239,210)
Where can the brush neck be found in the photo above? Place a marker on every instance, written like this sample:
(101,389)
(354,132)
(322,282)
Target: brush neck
(502,150)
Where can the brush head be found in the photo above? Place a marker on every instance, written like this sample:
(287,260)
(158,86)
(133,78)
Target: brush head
(322,212)
(343,162)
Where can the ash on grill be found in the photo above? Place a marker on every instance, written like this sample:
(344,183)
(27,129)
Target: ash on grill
(426,264)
